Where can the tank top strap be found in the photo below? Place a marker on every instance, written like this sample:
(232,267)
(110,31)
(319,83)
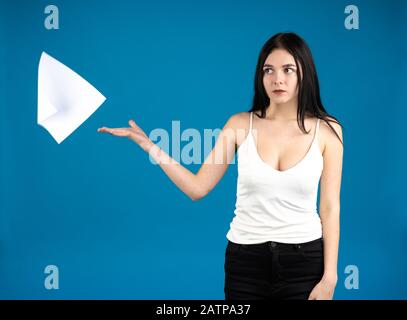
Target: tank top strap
(317,128)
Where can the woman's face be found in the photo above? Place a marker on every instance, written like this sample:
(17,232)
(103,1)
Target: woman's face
(280,73)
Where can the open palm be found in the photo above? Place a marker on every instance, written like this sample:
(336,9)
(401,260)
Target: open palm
(134,132)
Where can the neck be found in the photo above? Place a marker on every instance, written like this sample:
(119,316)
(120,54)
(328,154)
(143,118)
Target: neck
(285,111)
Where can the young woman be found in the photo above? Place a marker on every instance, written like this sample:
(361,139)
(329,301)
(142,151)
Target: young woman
(279,247)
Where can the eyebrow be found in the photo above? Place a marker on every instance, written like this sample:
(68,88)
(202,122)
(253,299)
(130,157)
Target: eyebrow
(286,65)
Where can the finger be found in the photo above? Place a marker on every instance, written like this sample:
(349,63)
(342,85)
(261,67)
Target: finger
(102,129)
(120,132)
(115,131)
(133,124)
(108,130)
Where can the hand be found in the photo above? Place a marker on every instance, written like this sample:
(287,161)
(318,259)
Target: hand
(324,290)
(134,133)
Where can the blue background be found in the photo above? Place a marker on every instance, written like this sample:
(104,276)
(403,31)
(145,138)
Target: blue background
(113,222)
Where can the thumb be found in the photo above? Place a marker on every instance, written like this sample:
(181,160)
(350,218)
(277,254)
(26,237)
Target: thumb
(133,124)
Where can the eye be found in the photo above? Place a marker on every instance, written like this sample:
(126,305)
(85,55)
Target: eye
(267,70)
(289,70)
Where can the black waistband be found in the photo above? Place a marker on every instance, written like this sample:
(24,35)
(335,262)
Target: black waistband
(275,244)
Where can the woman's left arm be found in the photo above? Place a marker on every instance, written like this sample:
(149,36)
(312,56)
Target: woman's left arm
(329,209)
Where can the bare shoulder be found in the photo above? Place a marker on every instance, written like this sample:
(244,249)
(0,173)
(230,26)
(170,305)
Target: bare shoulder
(240,118)
(328,135)
(239,121)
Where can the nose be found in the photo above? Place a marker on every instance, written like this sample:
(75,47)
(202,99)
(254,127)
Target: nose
(279,79)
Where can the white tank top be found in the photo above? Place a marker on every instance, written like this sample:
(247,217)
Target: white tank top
(274,205)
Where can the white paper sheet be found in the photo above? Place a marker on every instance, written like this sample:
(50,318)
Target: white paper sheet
(65,99)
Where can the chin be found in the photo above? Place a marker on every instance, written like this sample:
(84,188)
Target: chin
(280,101)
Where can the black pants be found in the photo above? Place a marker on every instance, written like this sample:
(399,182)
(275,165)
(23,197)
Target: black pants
(272,270)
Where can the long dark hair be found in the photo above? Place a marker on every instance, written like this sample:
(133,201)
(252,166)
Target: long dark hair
(309,99)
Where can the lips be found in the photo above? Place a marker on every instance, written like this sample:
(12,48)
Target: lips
(278,91)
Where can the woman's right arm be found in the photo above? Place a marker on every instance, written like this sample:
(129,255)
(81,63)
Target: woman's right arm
(198,185)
